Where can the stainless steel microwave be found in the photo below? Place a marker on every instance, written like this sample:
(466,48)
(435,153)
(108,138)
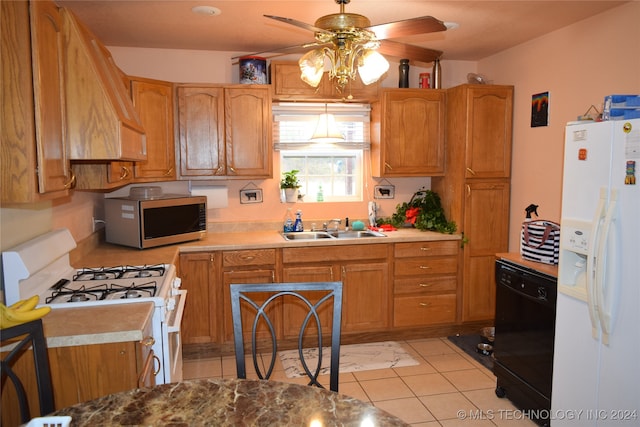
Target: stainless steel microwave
(154,222)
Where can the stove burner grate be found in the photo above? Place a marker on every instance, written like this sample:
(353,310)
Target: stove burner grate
(119,272)
(82,294)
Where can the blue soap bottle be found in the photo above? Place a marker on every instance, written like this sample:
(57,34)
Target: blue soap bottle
(298,226)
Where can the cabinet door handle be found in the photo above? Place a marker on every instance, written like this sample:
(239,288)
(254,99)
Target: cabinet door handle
(422,248)
(471,171)
(424,285)
(424,304)
(424,267)
(248,258)
(169,171)
(468,190)
(148,341)
(388,166)
(71,182)
(124,173)
(232,170)
(157,371)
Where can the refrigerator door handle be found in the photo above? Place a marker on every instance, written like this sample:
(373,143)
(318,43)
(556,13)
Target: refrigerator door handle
(592,258)
(606,271)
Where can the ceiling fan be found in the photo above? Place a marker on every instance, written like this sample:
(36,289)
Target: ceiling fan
(352,45)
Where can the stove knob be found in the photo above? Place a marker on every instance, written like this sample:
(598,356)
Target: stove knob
(171,304)
(177,282)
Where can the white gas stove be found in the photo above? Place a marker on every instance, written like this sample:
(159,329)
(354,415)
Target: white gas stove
(41,266)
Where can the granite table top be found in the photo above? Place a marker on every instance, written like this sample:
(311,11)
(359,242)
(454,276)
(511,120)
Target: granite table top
(228,402)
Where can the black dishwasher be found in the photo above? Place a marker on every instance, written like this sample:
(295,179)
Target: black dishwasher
(524,335)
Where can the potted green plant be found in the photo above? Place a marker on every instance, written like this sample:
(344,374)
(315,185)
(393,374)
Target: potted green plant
(289,184)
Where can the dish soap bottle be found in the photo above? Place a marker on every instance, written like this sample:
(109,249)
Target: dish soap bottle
(288,221)
(320,196)
(297,225)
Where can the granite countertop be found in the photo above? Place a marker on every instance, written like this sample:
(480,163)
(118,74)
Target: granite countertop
(78,326)
(230,402)
(109,254)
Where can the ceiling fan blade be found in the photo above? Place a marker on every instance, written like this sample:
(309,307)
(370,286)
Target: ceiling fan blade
(413,53)
(298,24)
(408,27)
(299,48)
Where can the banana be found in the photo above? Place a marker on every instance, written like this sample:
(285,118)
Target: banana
(10,316)
(26,304)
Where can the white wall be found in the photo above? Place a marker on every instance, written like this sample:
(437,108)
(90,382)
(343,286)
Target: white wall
(578,65)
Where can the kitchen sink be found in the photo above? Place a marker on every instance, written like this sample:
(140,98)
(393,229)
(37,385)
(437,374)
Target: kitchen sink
(352,234)
(307,235)
(319,235)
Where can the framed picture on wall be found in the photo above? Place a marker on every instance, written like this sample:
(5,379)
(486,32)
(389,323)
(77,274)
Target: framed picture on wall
(540,109)
(251,195)
(384,192)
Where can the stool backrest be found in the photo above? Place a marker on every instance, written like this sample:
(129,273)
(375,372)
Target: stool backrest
(261,306)
(21,338)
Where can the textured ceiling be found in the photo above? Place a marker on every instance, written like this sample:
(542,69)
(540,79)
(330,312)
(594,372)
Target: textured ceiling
(485,27)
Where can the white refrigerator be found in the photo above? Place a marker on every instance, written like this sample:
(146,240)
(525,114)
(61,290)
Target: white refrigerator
(596,371)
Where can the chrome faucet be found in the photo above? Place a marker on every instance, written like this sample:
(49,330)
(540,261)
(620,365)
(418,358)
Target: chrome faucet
(338,221)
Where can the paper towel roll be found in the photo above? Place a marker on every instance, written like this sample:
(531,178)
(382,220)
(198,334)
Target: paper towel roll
(217,195)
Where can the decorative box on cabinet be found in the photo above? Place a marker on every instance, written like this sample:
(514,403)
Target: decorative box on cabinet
(34,158)
(288,86)
(475,192)
(407,133)
(425,283)
(225,132)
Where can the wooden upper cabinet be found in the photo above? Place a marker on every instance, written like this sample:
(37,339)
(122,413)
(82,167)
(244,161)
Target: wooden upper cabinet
(407,133)
(489,110)
(287,85)
(248,133)
(225,131)
(102,123)
(201,131)
(153,101)
(34,164)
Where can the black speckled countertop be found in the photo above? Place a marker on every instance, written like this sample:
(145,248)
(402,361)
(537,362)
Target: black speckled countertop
(228,403)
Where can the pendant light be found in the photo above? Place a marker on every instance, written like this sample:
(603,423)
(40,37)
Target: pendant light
(327,129)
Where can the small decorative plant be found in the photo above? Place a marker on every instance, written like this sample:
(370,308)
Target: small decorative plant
(423,212)
(290,179)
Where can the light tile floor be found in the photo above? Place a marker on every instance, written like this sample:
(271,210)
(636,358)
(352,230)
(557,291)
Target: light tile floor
(448,389)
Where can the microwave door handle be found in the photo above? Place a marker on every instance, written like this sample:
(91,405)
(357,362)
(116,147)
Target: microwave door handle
(182,299)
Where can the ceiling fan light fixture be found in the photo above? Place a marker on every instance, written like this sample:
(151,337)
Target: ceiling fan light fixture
(371,66)
(312,67)
(327,129)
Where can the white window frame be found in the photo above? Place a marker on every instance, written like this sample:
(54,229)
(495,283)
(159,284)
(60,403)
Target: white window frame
(297,144)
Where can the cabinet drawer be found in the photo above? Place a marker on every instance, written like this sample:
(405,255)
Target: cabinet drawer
(424,310)
(334,253)
(248,257)
(420,249)
(422,266)
(416,285)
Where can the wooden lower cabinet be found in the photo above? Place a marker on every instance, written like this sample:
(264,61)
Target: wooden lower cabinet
(387,287)
(201,320)
(81,373)
(425,283)
(364,272)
